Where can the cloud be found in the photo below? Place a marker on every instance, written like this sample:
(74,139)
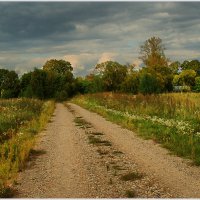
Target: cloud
(107,56)
(89,32)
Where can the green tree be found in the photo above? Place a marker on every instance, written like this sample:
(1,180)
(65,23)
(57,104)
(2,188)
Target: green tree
(193,65)
(58,66)
(37,83)
(26,90)
(112,73)
(197,84)
(148,84)
(188,77)
(174,67)
(10,86)
(131,83)
(3,73)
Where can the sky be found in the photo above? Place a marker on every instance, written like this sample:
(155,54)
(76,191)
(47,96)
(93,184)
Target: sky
(87,33)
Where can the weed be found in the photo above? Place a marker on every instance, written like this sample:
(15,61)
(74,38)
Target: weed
(117,152)
(131,176)
(97,141)
(130,194)
(82,123)
(96,133)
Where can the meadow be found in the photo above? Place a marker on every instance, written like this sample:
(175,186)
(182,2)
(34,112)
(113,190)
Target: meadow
(171,119)
(20,120)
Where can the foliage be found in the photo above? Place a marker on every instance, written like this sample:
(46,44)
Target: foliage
(54,81)
(150,83)
(186,77)
(9,85)
(131,83)
(113,74)
(197,84)
(191,65)
(174,67)
(58,66)
(152,52)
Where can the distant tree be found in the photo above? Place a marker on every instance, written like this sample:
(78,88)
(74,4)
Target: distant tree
(58,66)
(3,73)
(174,67)
(26,89)
(112,73)
(148,84)
(188,77)
(152,53)
(37,83)
(185,65)
(185,78)
(131,83)
(197,84)
(10,86)
(193,65)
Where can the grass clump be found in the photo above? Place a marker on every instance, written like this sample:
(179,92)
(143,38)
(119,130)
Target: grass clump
(132,176)
(80,122)
(130,194)
(117,152)
(96,133)
(97,141)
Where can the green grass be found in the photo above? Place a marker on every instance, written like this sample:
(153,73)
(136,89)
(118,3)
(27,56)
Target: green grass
(172,120)
(22,119)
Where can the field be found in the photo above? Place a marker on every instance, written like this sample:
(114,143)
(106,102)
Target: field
(172,120)
(20,120)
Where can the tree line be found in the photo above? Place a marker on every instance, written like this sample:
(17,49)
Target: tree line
(56,80)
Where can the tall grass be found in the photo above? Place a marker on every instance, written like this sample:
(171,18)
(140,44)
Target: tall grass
(170,119)
(20,120)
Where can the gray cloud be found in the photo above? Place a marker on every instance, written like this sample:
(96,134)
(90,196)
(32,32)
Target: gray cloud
(86,32)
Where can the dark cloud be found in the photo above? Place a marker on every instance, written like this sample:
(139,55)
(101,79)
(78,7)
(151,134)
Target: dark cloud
(31,32)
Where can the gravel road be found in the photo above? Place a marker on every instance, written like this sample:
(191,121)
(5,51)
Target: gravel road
(82,155)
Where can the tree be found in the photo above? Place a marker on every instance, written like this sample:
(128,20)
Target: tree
(193,64)
(197,84)
(152,53)
(188,77)
(3,73)
(37,83)
(10,86)
(174,67)
(131,83)
(112,73)
(149,83)
(58,66)
(185,78)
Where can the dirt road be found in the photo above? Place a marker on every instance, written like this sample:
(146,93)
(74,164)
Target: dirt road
(80,154)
